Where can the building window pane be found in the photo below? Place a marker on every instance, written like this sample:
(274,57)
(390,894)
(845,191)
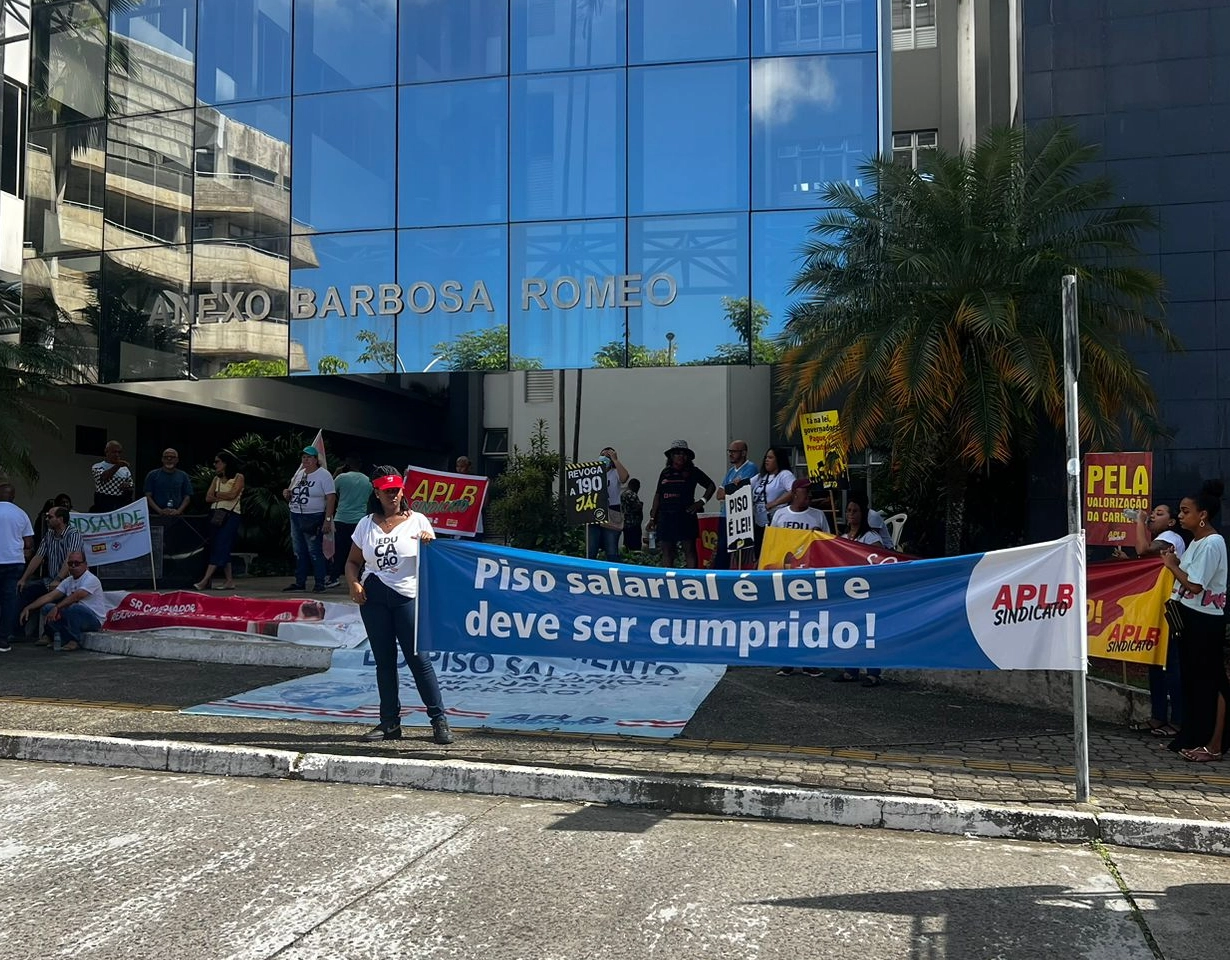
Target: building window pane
(567,146)
(910,149)
(243,50)
(143,333)
(565,293)
(706,259)
(453,39)
(242,170)
(346,335)
(913,24)
(68,62)
(238,321)
(447,174)
(458,318)
(813,123)
(567,34)
(813,26)
(713,32)
(12,138)
(342,46)
(151,62)
(344,161)
(64,196)
(688,138)
(60,303)
(777,256)
(149,180)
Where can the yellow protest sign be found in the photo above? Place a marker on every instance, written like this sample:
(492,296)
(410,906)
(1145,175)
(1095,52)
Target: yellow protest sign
(824,446)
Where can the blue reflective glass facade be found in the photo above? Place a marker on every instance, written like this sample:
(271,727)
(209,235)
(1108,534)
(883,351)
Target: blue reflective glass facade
(265,187)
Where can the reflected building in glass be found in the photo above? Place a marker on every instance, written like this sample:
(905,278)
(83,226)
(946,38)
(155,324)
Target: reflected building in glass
(284,187)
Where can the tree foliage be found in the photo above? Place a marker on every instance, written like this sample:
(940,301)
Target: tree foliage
(485,349)
(252,368)
(931,312)
(524,506)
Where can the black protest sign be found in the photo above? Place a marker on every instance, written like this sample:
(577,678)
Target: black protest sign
(585,492)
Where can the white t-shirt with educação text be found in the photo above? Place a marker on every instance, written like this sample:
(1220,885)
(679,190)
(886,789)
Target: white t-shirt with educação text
(393,557)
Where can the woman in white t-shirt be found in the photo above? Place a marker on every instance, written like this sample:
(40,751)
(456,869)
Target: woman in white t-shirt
(859,530)
(1158,532)
(382,572)
(770,489)
(1200,589)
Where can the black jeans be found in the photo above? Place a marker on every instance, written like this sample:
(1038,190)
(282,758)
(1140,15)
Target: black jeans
(342,532)
(389,619)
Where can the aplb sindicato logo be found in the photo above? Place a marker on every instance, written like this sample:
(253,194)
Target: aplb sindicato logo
(1026,606)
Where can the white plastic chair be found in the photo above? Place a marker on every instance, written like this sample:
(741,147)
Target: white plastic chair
(895,524)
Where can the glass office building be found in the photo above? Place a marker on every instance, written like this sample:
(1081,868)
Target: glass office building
(319,186)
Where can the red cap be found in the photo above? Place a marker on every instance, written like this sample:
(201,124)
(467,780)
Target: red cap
(388,482)
(801,484)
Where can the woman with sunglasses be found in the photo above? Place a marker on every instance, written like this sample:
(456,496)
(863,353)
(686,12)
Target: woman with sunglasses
(382,573)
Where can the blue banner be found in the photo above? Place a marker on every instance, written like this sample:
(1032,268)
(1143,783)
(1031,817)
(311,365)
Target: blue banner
(1022,609)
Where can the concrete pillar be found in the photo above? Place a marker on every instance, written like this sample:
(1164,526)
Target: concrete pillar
(967,73)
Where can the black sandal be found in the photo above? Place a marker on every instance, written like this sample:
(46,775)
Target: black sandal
(1146,726)
(845,677)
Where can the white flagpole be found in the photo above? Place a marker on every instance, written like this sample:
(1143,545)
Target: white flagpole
(1071,373)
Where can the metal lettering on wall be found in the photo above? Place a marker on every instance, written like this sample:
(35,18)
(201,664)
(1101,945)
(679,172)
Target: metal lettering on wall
(611,292)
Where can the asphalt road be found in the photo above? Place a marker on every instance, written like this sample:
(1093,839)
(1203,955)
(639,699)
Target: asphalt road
(117,864)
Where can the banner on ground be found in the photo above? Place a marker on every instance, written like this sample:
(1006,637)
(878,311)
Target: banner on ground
(1018,609)
(643,699)
(824,447)
(118,535)
(585,499)
(739,533)
(1115,482)
(453,502)
(1125,601)
(301,621)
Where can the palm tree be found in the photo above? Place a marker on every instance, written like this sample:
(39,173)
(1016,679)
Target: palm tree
(931,309)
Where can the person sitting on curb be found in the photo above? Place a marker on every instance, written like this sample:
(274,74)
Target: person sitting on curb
(76,607)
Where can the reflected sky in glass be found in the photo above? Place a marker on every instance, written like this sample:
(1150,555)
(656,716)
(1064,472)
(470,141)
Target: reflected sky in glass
(453,39)
(777,241)
(813,26)
(343,160)
(708,257)
(448,175)
(568,157)
(688,138)
(557,337)
(243,50)
(814,123)
(715,30)
(346,260)
(567,34)
(344,44)
(466,255)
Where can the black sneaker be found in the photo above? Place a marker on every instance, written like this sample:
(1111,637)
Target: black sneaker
(813,672)
(332,582)
(5,646)
(294,588)
(383,731)
(440,731)
(785,671)
(320,588)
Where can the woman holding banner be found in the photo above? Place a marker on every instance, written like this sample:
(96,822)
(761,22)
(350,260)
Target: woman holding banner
(858,529)
(1199,599)
(382,573)
(1156,533)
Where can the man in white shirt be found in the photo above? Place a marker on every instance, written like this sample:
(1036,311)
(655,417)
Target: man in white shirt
(799,514)
(76,607)
(16,542)
(312,497)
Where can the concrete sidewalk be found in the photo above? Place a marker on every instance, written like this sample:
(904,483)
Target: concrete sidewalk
(831,747)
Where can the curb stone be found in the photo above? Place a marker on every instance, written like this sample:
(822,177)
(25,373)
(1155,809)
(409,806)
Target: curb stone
(203,646)
(679,794)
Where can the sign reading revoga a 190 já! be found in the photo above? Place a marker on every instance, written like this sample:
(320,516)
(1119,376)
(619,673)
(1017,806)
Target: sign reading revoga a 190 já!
(585,498)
